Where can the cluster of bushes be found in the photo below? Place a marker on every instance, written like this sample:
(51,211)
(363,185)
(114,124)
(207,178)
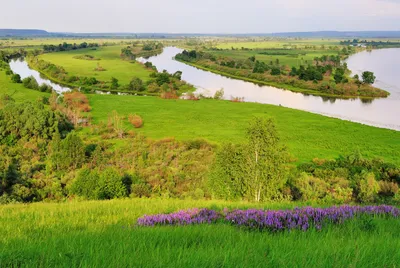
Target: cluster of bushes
(67,47)
(42,159)
(327,75)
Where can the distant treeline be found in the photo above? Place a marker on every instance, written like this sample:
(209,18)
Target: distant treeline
(370,43)
(66,47)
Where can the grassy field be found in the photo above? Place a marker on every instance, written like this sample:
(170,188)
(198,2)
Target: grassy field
(295,58)
(18,91)
(102,234)
(109,59)
(276,43)
(307,135)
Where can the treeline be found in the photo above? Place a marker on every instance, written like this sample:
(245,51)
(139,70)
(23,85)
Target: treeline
(67,47)
(372,43)
(326,75)
(43,158)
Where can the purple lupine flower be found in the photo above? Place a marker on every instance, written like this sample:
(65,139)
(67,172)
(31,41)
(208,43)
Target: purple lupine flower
(271,220)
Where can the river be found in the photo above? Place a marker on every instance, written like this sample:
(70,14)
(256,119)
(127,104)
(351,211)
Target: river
(383,113)
(20,66)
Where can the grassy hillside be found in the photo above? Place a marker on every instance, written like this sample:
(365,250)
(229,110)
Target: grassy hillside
(307,135)
(108,58)
(102,234)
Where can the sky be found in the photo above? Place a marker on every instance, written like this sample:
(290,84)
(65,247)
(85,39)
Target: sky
(200,16)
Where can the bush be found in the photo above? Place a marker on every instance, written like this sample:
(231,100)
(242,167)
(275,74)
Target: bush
(136,84)
(30,82)
(45,88)
(219,94)
(388,189)
(16,78)
(311,188)
(135,120)
(368,188)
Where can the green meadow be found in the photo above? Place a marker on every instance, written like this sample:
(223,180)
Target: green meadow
(107,57)
(103,234)
(295,57)
(307,135)
(258,43)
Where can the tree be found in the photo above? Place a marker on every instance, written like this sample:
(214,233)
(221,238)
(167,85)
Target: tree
(256,170)
(114,83)
(368,77)
(72,151)
(136,84)
(16,78)
(265,161)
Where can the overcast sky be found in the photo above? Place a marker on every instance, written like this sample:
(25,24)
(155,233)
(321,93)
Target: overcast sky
(200,16)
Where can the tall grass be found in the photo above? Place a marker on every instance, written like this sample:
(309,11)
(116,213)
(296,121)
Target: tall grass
(103,234)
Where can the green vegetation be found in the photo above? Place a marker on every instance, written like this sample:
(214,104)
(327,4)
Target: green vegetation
(307,135)
(102,234)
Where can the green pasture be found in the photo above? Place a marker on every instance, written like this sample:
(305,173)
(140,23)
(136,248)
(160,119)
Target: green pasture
(307,135)
(276,43)
(109,59)
(103,234)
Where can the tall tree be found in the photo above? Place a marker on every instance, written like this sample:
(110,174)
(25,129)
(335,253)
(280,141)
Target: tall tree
(266,160)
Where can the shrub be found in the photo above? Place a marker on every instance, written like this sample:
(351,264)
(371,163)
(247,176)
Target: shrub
(219,94)
(311,188)
(169,95)
(45,88)
(388,189)
(30,82)
(16,78)
(368,188)
(136,84)
(135,120)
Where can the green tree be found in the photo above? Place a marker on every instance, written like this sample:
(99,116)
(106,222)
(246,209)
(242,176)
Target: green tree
(136,84)
(16,78)
(72,151)
(266,160)
(368,77)
(114,83)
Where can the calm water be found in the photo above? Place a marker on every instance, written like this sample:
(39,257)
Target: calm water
(379,112)
(19,66)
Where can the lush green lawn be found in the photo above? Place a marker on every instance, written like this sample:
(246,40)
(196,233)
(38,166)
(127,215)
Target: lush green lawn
(307,135)
(110,60)
(102,234)
(17,91)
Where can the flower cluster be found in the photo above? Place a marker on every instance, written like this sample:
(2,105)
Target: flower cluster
(183,217)
(272,220)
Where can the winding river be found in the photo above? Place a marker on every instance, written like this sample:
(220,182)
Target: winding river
(383,113)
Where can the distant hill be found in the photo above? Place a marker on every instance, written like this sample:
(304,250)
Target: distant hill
(319,34)
(22,33)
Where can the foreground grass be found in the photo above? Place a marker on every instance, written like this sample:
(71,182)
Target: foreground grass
(102,234)
(307,135)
